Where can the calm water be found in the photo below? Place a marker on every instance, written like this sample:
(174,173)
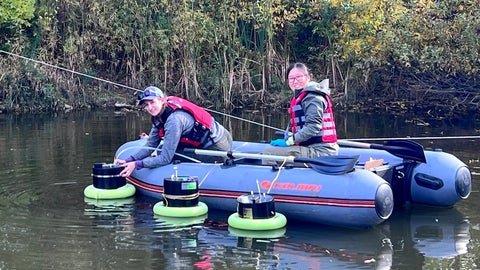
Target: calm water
(46,223)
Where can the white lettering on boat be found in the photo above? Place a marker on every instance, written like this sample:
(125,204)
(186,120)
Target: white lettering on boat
(266,184)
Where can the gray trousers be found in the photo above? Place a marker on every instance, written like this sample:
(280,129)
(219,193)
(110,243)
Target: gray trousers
(224,144)
(301,151)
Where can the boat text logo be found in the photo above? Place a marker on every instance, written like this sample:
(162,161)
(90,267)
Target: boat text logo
(266,184)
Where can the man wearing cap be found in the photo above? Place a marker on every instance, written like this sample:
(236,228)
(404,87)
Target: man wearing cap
(180,124)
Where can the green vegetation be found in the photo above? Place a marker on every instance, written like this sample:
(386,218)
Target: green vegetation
(378,54)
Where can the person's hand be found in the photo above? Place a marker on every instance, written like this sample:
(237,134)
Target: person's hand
(129,167)
(119,161)
(279,142)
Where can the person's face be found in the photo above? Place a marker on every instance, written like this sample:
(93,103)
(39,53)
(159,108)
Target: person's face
(297,79)
(154,106)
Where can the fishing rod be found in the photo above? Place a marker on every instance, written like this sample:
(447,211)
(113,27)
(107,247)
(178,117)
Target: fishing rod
(228,115)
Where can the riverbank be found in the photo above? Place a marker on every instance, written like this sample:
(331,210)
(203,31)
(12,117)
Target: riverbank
(422,111)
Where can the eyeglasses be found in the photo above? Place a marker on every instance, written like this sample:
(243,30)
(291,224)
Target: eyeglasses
(297,78)
(146,93)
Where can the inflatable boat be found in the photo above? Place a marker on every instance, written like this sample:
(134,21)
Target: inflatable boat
(344,190)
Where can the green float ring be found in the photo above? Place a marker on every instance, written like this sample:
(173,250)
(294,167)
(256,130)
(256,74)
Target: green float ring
(109,202)
(178,223)
(125,191)
(261,224)
(173,211)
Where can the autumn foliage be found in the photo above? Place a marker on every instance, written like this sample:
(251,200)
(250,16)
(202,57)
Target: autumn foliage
(228,54)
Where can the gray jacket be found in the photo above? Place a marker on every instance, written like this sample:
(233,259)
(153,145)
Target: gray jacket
(314,105)
(177,124)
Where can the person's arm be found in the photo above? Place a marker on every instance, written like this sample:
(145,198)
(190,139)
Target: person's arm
(153,141)
(135,161)
(177,124)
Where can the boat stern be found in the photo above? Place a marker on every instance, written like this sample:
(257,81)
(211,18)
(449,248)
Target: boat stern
(442,181)
(384,202)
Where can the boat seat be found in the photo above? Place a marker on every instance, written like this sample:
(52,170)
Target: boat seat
(378,166)
(373,163)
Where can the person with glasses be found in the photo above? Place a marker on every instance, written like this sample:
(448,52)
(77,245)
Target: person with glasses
(311,132)
(178,124)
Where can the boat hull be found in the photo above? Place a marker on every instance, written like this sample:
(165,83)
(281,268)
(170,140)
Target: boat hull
(443,180)
(361,198)
(356,199)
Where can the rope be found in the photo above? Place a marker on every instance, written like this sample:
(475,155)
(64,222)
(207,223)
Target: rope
(125,86)
(69,70)
(245,120)
(416,138)
(180,197)
(278,174)
(231,116)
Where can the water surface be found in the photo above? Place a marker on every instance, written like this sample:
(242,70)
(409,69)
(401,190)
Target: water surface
(46,223)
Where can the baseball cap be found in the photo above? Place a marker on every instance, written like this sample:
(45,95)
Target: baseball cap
(150,93)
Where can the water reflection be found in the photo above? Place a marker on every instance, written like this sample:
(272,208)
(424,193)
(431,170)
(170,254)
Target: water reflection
(47,223)
(432,232)
(109,213)
(420,233)
(165,224)
(412,233)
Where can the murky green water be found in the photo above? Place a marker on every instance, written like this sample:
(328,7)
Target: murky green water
(46,223)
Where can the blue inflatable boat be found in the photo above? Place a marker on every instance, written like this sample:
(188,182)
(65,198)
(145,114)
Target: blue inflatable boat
(358,188)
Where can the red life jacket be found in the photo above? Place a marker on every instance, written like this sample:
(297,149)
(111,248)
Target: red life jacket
(328,133)
(199,135)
